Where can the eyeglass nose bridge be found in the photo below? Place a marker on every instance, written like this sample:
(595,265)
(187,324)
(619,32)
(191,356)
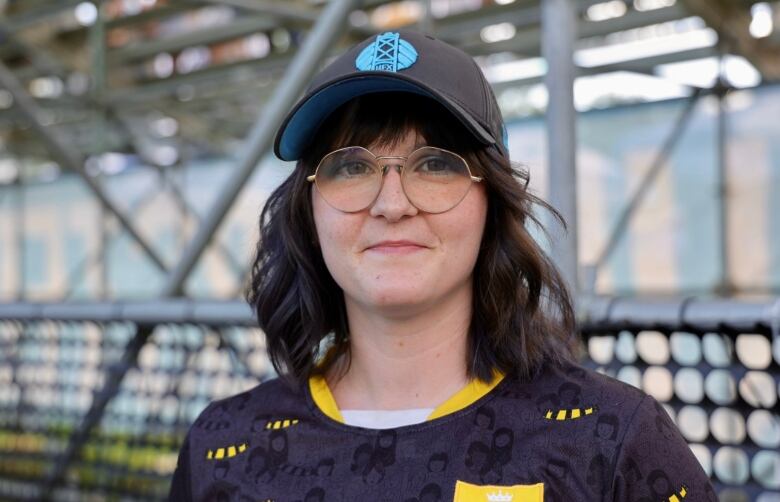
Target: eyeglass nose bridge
(399,168)
(398,165)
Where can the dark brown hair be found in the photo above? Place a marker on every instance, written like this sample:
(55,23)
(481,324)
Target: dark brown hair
(522,314)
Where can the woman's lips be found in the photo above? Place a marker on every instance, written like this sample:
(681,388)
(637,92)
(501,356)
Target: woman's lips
(396,247)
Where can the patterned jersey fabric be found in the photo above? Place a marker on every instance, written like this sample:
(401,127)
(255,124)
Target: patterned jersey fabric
(567,434)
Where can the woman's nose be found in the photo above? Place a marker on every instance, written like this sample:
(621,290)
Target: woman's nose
(392,202)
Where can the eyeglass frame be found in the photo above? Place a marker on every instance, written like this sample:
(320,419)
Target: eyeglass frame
(400,168)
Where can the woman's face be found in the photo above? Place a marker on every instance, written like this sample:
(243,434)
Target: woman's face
(398,279)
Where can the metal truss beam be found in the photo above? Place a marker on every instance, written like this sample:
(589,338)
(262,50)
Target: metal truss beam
(726,286)
(640,65)
(217,75)
(158,12)
(42,62)
(287,91)
(77,273)
(291,14)
(234,29)
(731,19)
(37,14)
(646,64)
(136,142)
(466,26)
(50,9)
(528,41)
(639,195)
(700,313)
(281,10)
(558,37)
(68,158)
(213,313)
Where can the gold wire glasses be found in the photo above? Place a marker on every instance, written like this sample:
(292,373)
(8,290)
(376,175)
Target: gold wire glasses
(433,179)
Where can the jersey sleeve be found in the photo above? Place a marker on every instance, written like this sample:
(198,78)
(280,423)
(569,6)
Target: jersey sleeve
(655,462)
(180,485)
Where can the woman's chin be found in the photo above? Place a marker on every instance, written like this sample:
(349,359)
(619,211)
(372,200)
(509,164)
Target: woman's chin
(401,299)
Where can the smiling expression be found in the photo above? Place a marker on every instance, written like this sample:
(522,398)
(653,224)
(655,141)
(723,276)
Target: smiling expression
(392,256)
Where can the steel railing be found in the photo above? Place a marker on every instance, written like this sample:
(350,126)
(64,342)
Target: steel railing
(95,398)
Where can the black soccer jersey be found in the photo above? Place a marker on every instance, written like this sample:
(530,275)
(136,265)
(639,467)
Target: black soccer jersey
(567,434)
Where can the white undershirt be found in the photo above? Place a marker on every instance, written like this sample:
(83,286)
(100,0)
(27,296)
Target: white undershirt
(385,419)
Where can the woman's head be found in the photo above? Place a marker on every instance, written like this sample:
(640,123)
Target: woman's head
(312,258)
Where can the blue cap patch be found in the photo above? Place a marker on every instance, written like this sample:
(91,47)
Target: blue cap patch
(387,53)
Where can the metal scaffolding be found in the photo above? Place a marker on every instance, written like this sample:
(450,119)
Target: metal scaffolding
(121,88)
(114,56)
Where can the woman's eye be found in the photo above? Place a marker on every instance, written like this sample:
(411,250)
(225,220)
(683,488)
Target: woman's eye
(433,165)
(354,169)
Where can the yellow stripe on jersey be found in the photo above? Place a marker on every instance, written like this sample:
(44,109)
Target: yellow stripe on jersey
(229,452)
(568,413)
(280,424)
(683,493)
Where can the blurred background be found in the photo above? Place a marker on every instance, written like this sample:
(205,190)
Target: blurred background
(135,157)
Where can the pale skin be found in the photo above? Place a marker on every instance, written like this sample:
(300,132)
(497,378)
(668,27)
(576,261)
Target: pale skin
(408,307)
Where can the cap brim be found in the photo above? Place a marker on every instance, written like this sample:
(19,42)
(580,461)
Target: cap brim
(307,116)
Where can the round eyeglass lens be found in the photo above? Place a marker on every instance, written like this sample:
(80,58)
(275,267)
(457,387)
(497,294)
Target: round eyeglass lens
(349,179)
(435,180)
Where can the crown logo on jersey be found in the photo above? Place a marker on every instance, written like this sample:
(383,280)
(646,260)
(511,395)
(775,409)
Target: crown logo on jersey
(499,497)
(389,52)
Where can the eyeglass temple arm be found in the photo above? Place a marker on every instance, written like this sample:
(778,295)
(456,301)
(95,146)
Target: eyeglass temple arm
(310,179)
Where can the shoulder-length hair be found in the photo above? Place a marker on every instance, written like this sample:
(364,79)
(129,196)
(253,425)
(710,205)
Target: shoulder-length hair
(522,314)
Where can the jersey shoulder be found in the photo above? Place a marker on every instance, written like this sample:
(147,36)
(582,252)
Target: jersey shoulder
(569,391)
(251,411)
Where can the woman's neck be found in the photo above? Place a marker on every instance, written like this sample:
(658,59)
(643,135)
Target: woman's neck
(397,362)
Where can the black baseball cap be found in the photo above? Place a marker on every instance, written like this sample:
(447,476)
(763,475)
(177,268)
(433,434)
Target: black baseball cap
(397,61)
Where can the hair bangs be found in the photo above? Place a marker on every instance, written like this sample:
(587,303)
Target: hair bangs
(384,119)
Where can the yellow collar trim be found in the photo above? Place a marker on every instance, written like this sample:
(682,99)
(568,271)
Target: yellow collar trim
(471,393)
(323,398)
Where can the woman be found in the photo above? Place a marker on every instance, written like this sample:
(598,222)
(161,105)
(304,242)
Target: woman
(425,343)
